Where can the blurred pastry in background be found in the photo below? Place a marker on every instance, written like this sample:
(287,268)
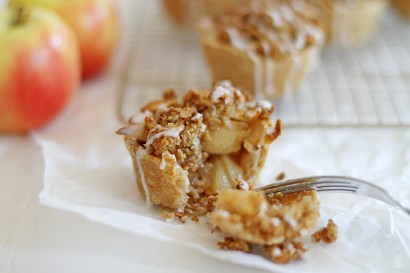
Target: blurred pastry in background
(402,7)
(180,12)
(185,12)
(213,7)
(268,48)
(350,23)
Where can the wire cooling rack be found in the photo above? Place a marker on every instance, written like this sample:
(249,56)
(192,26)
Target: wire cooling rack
(367,87)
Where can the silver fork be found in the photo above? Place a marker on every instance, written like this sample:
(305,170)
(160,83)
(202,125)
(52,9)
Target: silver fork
(333,184)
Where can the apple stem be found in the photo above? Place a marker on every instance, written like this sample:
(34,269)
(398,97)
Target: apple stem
(20,16)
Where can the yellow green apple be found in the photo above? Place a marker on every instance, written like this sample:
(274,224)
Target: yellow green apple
(39,68)
(96,25)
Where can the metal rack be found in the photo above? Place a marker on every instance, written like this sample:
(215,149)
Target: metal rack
(367,87)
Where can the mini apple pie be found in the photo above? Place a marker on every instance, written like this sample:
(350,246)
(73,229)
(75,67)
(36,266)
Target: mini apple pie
(266,47)
(185,153)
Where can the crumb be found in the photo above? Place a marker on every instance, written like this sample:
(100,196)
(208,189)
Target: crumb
(326,234)
(280,176)
(235,244)
(241,184)
(170,94)
(249,216)
(168,216)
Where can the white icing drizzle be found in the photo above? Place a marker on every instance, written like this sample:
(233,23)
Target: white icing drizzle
(277,252)
(163,163)
(288,218)
(226,83)
(224,213)
(222,91)
(254,104)
(270,87)
(203,128)
(264,104)
(163,107)
(270,130)
(257,78)
(287,13)
(140,117)
(263,208)
(243,185)
(241,43)
(300,41)
(276,18)
(139,155)
(130,130)
(236,39)
(171,132)
(304,232)
(196,117)
(180,210)
(316,32)
(276,221)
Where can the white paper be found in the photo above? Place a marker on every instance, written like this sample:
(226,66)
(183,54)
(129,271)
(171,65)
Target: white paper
(88,171)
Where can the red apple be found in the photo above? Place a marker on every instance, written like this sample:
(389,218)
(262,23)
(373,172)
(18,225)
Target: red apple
(39,68)
(96,25)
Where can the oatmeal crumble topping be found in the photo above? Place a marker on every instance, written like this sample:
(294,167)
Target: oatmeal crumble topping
(235,244)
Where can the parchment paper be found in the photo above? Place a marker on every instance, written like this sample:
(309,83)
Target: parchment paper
(89,172)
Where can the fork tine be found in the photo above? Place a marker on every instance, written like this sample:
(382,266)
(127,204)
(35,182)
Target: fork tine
(309,183)
(333,184)
(288,189)
(322,187)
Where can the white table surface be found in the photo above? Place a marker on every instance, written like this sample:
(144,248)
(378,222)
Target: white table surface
(36,238)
